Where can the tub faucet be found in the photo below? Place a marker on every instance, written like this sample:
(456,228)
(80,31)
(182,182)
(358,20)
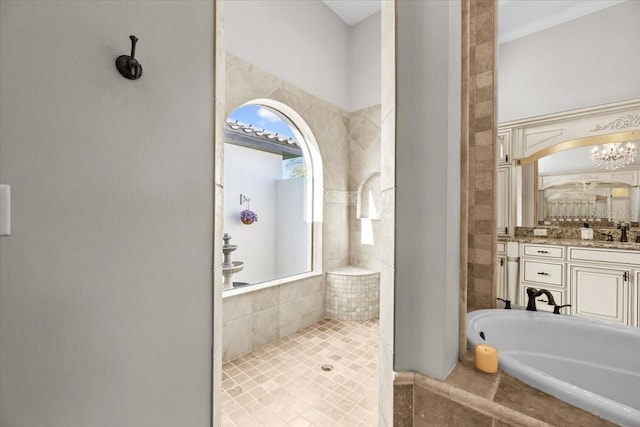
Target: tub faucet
(507,303)
(533,293)
(556,309)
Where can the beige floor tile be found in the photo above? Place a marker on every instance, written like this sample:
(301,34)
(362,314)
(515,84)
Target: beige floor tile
(282,383)
(300,421)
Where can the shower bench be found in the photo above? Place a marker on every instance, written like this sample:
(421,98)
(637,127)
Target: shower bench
(353,293)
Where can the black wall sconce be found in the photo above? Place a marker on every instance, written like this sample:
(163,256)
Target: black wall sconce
(128,65)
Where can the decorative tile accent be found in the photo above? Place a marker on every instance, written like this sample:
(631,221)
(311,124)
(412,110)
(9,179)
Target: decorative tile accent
(339,197)
(353,296)
(479,155)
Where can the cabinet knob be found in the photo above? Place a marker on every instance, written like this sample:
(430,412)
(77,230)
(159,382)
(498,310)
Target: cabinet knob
(542,273)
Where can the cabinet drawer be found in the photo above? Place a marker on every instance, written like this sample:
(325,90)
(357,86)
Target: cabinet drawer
(543,272)
(542,300)
(502,247)
(543,251)
(604,255)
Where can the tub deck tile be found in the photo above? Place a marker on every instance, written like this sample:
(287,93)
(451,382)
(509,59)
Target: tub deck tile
(516,395)
(465,377)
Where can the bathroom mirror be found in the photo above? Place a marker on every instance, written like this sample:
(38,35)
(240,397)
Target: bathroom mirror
(267,198)
(566,189)
(550,61)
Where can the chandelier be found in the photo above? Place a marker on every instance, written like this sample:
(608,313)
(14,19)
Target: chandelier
(613,156)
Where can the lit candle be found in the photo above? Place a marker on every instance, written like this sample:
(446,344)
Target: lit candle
(486,358)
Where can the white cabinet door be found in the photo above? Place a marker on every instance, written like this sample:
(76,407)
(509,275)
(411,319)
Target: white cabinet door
(502,277)
(503,146)
(600,292)
(635,301)
(503,194)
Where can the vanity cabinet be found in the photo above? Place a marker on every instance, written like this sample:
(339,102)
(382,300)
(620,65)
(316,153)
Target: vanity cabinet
(505,199)
(598,283)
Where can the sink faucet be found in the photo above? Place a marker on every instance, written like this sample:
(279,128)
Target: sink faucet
(533,293)
(624,227)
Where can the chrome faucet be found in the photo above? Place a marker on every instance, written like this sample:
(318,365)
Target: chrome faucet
(533,293)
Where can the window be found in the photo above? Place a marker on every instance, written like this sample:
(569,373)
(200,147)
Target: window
(272,178)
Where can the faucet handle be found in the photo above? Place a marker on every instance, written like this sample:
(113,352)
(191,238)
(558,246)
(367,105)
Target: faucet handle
(609,236)
(507,303)
(556,308)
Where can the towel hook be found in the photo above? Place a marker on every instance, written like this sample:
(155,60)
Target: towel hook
(128,65)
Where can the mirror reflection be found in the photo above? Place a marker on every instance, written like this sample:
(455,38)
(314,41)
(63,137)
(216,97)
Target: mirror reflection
(572,189)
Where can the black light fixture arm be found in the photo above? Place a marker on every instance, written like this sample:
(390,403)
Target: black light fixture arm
(128,65)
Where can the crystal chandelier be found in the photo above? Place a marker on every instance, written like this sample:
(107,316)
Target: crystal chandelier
(613,156)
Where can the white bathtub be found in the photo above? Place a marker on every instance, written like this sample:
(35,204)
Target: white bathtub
(594,365)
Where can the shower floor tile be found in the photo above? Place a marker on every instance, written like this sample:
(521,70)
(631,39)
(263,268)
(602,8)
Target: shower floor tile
(283,383)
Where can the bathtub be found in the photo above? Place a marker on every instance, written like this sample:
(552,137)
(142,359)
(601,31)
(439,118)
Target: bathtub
(592,364)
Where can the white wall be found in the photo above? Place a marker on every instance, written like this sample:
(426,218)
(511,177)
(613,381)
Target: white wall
(427,173)
(587,61)
(293,228)
(105,290)
(364,63)
(277,245)
(301,42)
(304,43)
(252,173)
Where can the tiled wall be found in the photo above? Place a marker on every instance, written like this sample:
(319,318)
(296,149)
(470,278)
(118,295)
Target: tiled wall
(479,152)
(353,296)
(219,118)
(253,319)
(387,223)
(364,160)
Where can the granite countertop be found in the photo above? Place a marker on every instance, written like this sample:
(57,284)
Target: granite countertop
(602,244)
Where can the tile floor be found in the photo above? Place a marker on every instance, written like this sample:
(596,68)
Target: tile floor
(283,384)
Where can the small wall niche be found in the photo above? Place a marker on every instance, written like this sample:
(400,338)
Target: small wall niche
(368,198)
